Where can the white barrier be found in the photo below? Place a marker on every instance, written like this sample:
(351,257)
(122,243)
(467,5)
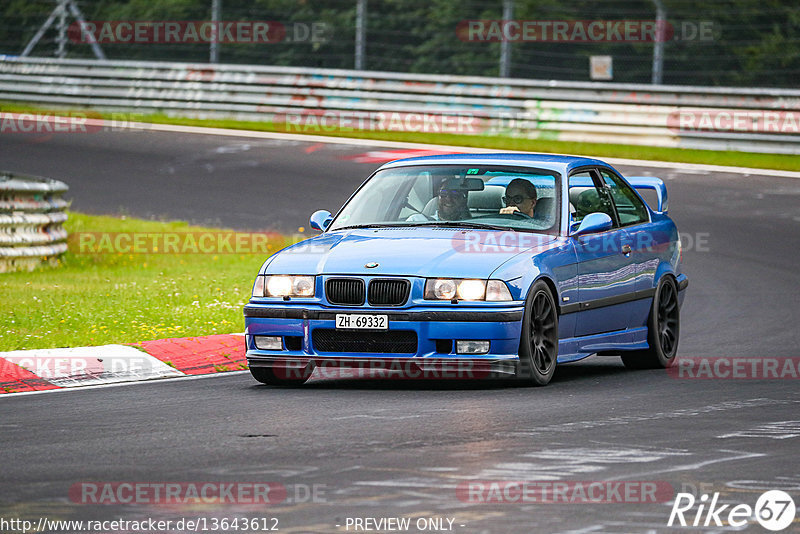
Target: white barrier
(755,120)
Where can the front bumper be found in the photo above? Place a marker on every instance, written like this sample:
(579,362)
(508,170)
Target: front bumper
(435,329)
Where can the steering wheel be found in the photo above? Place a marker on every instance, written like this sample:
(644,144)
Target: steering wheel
(520,214)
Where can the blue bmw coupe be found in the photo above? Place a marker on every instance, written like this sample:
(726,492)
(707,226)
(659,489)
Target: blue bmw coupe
(474,265)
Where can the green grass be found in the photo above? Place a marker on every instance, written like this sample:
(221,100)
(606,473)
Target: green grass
(729,158)
(95,299)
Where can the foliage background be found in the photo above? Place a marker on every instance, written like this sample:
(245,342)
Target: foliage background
(756,42)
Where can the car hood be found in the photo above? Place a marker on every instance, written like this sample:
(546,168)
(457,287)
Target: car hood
(407,251)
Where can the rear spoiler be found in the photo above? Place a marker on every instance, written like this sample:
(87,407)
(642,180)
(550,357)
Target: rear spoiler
(656,184)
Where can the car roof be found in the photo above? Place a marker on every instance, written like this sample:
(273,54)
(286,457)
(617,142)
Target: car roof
(552,162)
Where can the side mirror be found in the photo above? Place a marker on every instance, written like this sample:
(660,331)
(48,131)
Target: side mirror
(320,220)
(593,223)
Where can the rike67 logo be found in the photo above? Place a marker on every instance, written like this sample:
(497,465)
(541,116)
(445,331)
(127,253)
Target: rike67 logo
(774,510)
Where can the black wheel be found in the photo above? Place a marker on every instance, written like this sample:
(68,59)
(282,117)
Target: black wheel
(271,377)
(663,330)
(538,344)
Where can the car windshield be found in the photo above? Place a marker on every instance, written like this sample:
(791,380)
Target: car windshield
(481,196)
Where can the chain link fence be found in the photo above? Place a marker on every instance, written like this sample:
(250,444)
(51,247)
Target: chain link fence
(713,43)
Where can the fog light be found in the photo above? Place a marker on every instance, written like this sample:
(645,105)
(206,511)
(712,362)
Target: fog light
(268,342)
(471,347)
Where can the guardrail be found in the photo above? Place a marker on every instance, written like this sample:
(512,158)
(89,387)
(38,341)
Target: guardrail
(31,218)
(713,118)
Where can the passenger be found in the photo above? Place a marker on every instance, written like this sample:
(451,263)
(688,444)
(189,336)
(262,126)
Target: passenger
(520,196)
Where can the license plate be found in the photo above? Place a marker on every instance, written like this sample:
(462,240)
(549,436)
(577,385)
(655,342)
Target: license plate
(356,321)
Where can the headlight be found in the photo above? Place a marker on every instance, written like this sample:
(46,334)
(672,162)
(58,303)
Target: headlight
(284,286)
(471,290)
(443,289)
(466,289)
(303,286)
(278,286)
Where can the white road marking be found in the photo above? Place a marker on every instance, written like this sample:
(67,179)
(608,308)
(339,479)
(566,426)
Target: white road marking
(608,456)
(693,466)
(788,484)
(555,464)
(645,418)
(773,430)
(370,416)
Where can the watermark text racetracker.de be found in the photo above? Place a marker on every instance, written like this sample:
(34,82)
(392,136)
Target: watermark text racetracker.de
(193,32)
(189,493)
(316,121)
(735,368)
(75,366)
(67,122)
(756,121)
(197,242)
(584,31)
(494,242)
(564,492)
(510,241)
(384,368)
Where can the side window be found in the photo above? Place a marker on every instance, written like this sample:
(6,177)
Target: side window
(630,208)
(586,198)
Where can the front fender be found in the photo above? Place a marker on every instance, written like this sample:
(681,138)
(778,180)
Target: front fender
(558,265)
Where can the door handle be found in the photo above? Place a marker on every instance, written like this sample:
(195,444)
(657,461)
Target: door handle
(626,249)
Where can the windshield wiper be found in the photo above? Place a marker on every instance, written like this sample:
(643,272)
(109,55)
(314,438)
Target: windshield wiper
(451,224)
(373,225)
(464,224)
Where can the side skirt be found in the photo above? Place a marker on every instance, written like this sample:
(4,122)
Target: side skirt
(577,348)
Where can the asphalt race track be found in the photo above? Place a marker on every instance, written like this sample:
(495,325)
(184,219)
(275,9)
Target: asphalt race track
(371,448)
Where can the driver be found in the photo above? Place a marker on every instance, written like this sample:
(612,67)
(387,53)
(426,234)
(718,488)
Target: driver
(452,204)
(520,196)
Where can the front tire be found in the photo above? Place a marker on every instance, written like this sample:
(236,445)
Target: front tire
(663,330)
(538,344)
(267,375)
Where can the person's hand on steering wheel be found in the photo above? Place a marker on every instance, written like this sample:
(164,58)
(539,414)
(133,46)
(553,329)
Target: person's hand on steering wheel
(513,210)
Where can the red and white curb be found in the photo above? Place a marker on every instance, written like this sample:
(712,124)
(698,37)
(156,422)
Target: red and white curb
(384,156)
(46,369)
(402,146)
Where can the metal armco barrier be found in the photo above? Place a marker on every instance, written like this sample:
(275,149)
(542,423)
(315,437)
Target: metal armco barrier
(31,218)
(321,100)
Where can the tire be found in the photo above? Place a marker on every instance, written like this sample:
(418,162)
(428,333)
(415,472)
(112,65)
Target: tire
(267,375)
(663,330)
(538,344)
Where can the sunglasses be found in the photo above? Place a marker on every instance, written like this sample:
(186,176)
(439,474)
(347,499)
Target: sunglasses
(517,199)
